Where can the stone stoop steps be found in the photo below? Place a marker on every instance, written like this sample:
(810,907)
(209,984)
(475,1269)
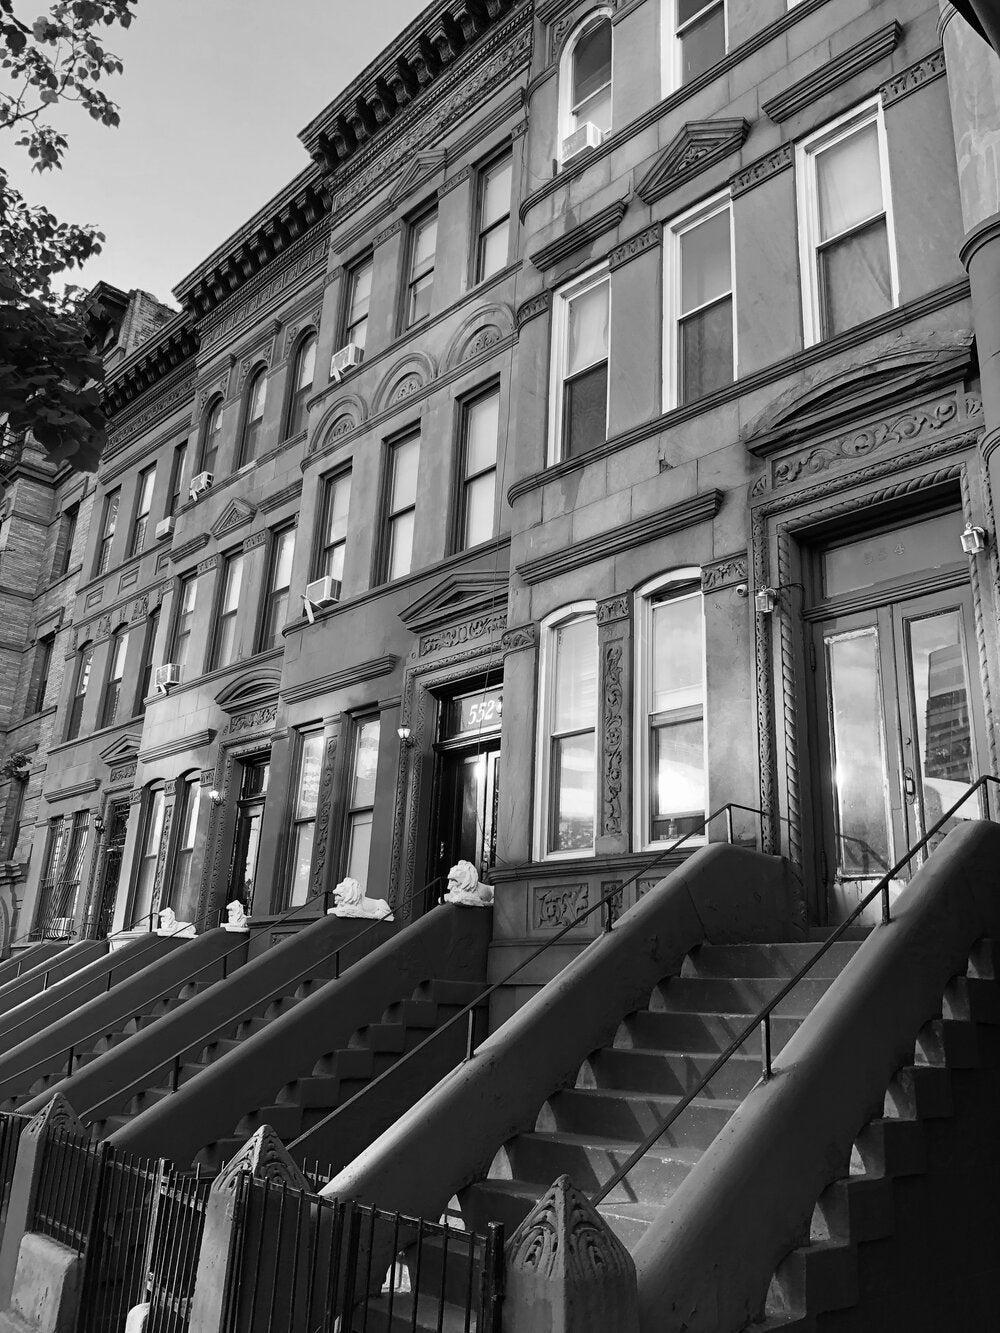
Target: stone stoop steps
(822,1274)
(622,1092)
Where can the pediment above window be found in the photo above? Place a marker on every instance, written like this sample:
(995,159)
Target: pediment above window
(236,513)
(457,597)
(698,145)
(422,166)
(248,691)
(123,749)
(870,384)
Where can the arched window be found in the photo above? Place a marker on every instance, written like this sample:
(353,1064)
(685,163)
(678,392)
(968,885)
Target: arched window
(149,853)
(565,820)
(113,684)
(211,432)
(671,785)
(254,400)
(585,83)
(84,661)
(302,382)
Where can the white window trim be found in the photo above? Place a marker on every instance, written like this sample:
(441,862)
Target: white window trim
(543,736)
(560,327)
(566,127)
(672,289)
(670,42)
(807,201)
(681,580)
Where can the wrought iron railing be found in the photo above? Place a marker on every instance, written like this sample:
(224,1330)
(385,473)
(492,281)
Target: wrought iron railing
(761,1021)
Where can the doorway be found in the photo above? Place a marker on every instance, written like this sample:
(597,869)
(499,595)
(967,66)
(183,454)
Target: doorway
(467,757)
(117,825)
(246,836)
(900,721)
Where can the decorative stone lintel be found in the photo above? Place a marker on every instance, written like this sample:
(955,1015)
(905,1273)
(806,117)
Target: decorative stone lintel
(762,169)
(635,246)
(914,77)
(453,182)
(566,1271)
(724,573)
(387,233)
(577,237)
(821,81)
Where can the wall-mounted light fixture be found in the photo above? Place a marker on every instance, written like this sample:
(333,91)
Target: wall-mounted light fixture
(973,539)
(216,797)
(765,600)
(99,826)
(405,735)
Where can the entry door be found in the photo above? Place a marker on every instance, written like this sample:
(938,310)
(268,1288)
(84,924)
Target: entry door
(902,733)
(246,838)
(111,870)
(467,810)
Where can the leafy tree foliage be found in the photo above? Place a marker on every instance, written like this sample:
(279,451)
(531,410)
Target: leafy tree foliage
(47,372)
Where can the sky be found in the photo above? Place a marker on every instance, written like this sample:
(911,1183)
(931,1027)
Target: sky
(212,100)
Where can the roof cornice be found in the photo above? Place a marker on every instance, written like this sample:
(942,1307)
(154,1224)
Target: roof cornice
(175,342)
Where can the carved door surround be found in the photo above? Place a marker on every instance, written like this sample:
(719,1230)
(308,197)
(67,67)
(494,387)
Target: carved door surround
(614,733)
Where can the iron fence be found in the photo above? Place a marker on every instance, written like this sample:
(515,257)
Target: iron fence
(307,1264)
(175,1244)
(70,1178)
(115,1273)
(11,1126)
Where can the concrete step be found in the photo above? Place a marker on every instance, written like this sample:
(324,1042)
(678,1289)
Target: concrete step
(349,1062)
(284,1119)
(412,1013)
(667,1072)
(699,1032)
(590,1160)
(457,993)
(819,1276)
(633,1115)
(855,1208)
(740,995)
(767,960)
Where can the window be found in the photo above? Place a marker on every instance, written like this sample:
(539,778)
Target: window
(480,432)
(183,895)
(493,244)
(146,669)
(181,651)
(359,295)
(224,645)
(302,382)
(116,673)
(60,889)
(149,854)
(279,579)
(143,504)
(361,800)
(177,479)
(64,542)
(42,667)
(670,697)
(211,434)
(585,79)
(700,342)
(304,816)
(420,282)
(84,661)
(698,34)
(401,503)
(847,254)
(255,399)
(336,504)
(108,524)
(566,817)
(579,388)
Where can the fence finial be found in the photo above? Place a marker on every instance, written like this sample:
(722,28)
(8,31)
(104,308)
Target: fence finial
(57,1114)
(264,1157)
(566,1270)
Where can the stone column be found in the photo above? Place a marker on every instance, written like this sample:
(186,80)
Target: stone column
(517,745)
(614,730)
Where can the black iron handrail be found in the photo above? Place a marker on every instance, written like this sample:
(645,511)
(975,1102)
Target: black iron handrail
(762,1019)
(176,1060)
(609,901)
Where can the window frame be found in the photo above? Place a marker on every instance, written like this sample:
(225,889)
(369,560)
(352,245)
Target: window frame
(358,721)
(210,440)
(221,618)
(252,427)
(146,663)
(324,547)
(83,669)
(672,52)
(109,526)
(111,695)
(566,112)
(268,631)
(69,521)
(298,395)
(177,635)
(178,462)
(673,286)
(41,670)
(294,821)
(146,858)
(565,615)
(562,298)
(388,515)
(188,786)
(479,231)
(466,405)
(682,583)
(413,228)
(144,488)
(807,202)
(347,327)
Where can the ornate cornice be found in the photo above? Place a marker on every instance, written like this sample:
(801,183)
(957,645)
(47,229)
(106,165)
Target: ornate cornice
(179,745)
(340,680)
(818,82)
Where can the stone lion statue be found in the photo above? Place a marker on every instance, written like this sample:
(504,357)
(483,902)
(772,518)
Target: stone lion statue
(464,887)
(169,925)
(349,900)
(236,917)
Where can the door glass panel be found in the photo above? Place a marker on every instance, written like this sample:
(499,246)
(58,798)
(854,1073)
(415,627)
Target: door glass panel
(941,707)
(860,781)
(928,543)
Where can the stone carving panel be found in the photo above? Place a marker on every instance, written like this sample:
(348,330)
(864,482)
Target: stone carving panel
(724,573)
(255,720)
(614,739)
(555,907)
(452,636)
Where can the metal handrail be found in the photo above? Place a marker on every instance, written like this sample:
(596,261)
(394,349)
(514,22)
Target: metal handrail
(762,1019)
(176,1060)
(610,901)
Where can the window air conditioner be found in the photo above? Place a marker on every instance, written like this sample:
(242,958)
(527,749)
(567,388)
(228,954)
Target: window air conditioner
(587,136)
(347,358)
(164,528)
(200,484)
(165,676)
(321,592)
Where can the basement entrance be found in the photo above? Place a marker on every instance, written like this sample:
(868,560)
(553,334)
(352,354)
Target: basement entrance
(900,719)
(467,757)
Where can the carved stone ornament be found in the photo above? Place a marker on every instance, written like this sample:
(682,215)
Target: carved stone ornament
(265,1158)
(122,773)
(557,906)
(565,1259)
(635,246)
(453,636)
(760,170)
(518,638)
(532,308)
(135,796)
(901,85)
(257,718)
(140,608)
(614,739)
(350,900)
(698,145)
(615,608)
(724,573)
(57,1115)
(465,889)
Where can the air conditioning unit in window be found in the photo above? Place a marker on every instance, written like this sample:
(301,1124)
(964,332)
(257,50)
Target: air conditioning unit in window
(321,592)
(164,528)
(347,358)
(587,136)
(200,484)
(166,675)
